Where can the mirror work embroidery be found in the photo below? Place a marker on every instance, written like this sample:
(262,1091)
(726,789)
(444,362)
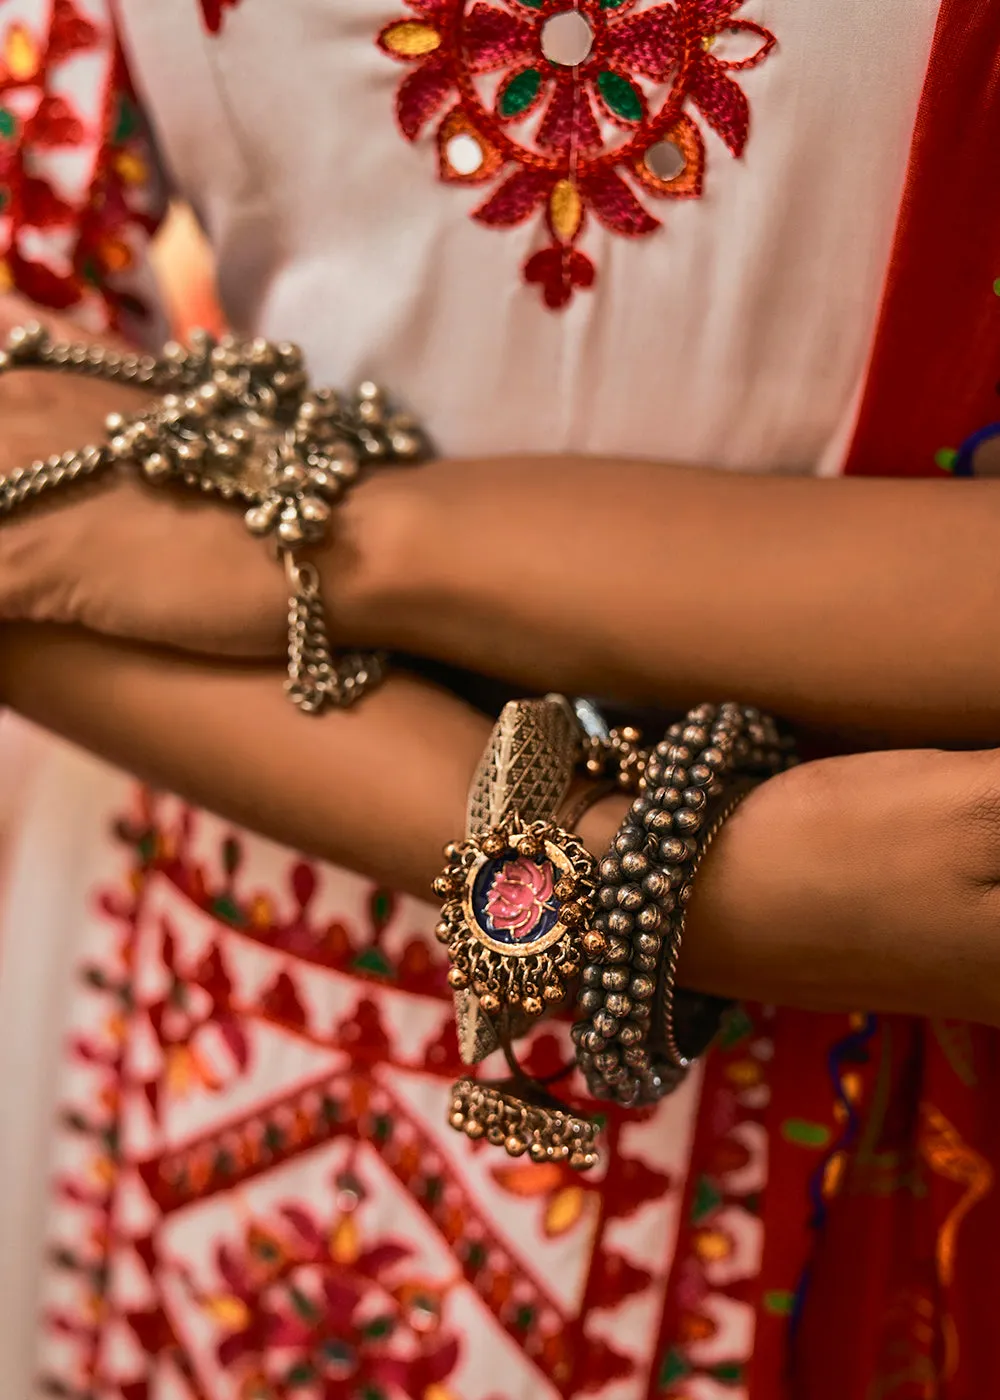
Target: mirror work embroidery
(572,110)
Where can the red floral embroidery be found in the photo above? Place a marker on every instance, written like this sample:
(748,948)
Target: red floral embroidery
(213,12)
(74,231)
(578,123)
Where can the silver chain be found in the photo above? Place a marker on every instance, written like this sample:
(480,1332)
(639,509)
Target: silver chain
(236,420)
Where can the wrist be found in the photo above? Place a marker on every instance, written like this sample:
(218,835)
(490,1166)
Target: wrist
(375,568)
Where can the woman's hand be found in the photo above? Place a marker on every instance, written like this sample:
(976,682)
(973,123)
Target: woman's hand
(125,559)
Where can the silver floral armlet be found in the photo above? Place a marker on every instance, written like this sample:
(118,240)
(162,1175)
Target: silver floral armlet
(239,421)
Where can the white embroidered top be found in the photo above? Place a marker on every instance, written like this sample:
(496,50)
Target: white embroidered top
(710,310)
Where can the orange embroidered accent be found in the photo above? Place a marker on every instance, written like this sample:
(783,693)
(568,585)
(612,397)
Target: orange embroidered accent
(946,1154)
(949,1156)
(588,111)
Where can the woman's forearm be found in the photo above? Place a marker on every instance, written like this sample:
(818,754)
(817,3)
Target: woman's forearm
(829,888)
(846,604)
(379,789)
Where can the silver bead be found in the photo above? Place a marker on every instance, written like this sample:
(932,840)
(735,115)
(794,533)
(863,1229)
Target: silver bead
(290,529)
(322,481)
(314,511)
(344,463)
(291,476)
(405,444)
(226,453)
(190,453)
(156,467)
(260,519)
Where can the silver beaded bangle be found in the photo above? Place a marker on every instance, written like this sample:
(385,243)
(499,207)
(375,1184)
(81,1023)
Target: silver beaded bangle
(626,1038)
(238,421)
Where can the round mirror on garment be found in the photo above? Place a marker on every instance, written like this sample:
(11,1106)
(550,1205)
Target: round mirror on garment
(665,160)
(567,39)
(464,153)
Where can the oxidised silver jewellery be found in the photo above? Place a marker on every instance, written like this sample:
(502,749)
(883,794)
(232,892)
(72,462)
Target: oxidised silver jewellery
(527,910)
(237,420)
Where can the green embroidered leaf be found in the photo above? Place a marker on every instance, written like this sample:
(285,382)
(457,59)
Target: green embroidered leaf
(228,911)
(707,1198)
(381,909)
(373,960)
(525,1318)
(779,1301)
(379,1327)
(996,286)
(476,1254)
(433,1190)
(946,457)
(729,1372)
(737,1027)
(330,1109)
(8,123)
(620,95)
(674,1368)
(300,1374)
(382,1128)
(518,93)
(611,4)
(126,123)
(805,1134)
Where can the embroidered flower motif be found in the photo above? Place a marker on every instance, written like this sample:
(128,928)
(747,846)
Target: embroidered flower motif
(297,1312)
(519,896)
(574,107)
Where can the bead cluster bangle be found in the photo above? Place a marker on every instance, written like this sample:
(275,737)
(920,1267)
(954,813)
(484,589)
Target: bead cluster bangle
(626,1042)
(238,421)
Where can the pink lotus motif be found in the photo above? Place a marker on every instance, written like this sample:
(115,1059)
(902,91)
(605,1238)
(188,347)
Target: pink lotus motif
(517,900)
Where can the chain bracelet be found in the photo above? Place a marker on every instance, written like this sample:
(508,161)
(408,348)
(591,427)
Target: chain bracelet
(238,421)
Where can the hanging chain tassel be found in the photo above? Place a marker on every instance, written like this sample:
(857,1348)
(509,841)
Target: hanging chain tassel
(315,678)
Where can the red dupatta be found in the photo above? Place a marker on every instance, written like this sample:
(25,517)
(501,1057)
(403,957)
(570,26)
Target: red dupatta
(882,1241)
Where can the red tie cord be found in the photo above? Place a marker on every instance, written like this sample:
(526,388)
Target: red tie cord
(936,358)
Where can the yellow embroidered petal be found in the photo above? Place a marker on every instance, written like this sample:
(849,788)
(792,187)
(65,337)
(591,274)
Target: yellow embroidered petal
(744,1073)
(228,1312)
(261,912)
(564,1210)
(344,1244)
(712,1245)
(411,39)
(565,209)
(131,168)
(6,276)
(21,53)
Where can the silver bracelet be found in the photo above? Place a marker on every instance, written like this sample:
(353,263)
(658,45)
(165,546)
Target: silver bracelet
(238,421)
